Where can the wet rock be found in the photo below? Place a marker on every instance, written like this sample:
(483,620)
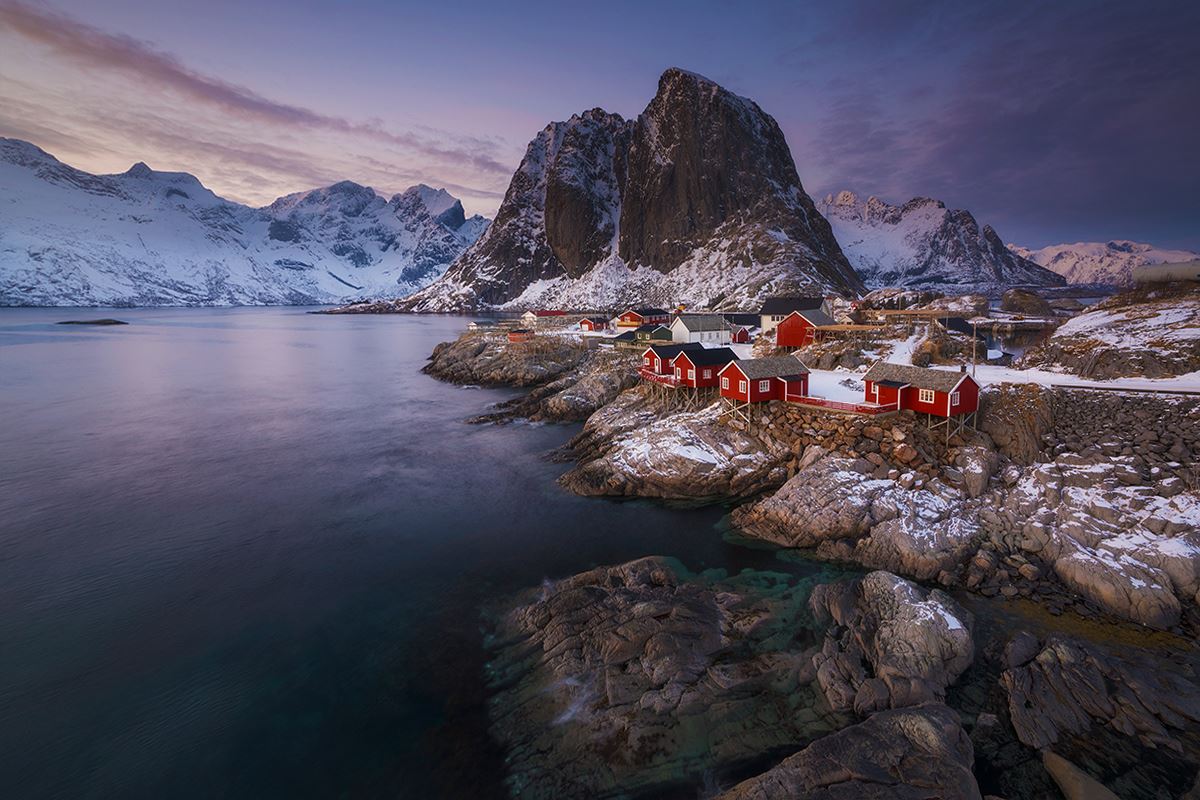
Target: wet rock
(625,679)
(1069,686)
(905,754)
(894,644)
(491,360)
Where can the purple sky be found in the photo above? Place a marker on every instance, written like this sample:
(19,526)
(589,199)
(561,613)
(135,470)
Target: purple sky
(1053,122)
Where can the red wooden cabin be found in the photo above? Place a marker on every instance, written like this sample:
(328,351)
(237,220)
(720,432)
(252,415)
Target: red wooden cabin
(940,392)
(800,328)
(698,369)
(739,334)
(757,380)
(636,317)
(593,324)
(520,335)
(657,358)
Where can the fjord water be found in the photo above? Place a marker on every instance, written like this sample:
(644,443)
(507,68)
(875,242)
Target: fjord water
(244,553)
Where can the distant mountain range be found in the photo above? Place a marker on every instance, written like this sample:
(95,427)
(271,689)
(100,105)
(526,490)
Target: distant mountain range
(695,201)
(142,237)
(924,245)
(1101,262)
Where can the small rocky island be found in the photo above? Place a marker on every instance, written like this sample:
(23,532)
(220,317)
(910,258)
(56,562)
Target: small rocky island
(103,321)
(1008,610)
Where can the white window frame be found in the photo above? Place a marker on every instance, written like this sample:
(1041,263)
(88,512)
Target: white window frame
(875,391)
(764,386)
(741,386)
(691,374)
(645,361)
(954,398)
(926,395)
(708,373)
(679,372)
(724,382)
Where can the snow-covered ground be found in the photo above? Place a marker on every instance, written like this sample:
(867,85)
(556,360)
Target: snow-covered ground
(836,384)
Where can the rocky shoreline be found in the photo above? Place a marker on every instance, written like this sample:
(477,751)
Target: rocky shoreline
(1081,503)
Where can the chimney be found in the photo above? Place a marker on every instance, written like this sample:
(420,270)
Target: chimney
(962,368)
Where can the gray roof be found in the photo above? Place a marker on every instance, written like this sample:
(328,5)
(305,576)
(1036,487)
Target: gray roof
(703,322)
(786,305)
(940,380)
(816,316)
(772,367)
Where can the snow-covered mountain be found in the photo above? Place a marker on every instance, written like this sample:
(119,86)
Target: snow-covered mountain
(696,201)
(924,245)
(142,237)
(1101,262)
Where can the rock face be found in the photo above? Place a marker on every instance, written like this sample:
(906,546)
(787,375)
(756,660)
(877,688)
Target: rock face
(682,456)
(489,359)
(1101,262)
(893,643)
(696,201)
(161,238)
(1023,301)
(905,754)
(625,679)
(1152,333)
(1064,687)
(835,506)
(924,245)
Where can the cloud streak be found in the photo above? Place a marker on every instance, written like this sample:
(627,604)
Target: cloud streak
(93,48)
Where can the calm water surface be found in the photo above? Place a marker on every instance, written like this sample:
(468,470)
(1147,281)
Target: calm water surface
(243,554)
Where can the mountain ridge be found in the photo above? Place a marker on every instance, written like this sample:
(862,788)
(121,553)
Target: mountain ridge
(145,237)
(1110,262)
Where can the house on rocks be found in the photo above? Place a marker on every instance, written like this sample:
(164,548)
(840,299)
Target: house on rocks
(939,392)
(801,328)
(657,358)
(776,309)
(707,328)
(758,380)
(698,369)
(636,317)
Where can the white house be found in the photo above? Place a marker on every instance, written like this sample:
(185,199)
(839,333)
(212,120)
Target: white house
(529,319)
(703,328)
(776,309)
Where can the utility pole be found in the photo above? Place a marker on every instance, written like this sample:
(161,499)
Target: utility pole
(974,344)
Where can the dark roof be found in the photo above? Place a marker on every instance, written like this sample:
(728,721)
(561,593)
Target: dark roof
(651,326)
(520,330)
(669,351)
(893,384)
(749,320)
(786,305)
(771,367)
(647,312)
(940,380)
(703,322)
(627,336)
(816,316)
(601,320)
(711,356)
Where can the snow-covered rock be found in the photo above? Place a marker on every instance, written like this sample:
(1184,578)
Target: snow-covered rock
(143,237)
(696,201)
(924,245)
(1101,262)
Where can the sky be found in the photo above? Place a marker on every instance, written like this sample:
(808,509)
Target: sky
(1053,122)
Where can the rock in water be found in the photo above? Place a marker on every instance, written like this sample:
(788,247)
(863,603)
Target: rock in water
(625,679)
(894,643)
(695,201)
(917,753)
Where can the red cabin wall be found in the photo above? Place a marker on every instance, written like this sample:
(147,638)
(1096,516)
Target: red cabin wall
(795,331)
(968,398)
(740,336)
(684,364)
(910,398)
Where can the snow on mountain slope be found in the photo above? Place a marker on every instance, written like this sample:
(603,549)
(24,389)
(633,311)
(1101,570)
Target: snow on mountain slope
(695,201)
(924,245)
(1101,262)
(143,237)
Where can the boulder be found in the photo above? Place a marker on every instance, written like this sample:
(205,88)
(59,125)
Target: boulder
(913,753)
(1023,301)
(893,644)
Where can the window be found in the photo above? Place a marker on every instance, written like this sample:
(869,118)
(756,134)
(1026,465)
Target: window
(691,374)
(954,398)
(724,383)
(875,390)
(741,386)
(679,372)
(646,360)
(764,386)
(926,396)
(708,373)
